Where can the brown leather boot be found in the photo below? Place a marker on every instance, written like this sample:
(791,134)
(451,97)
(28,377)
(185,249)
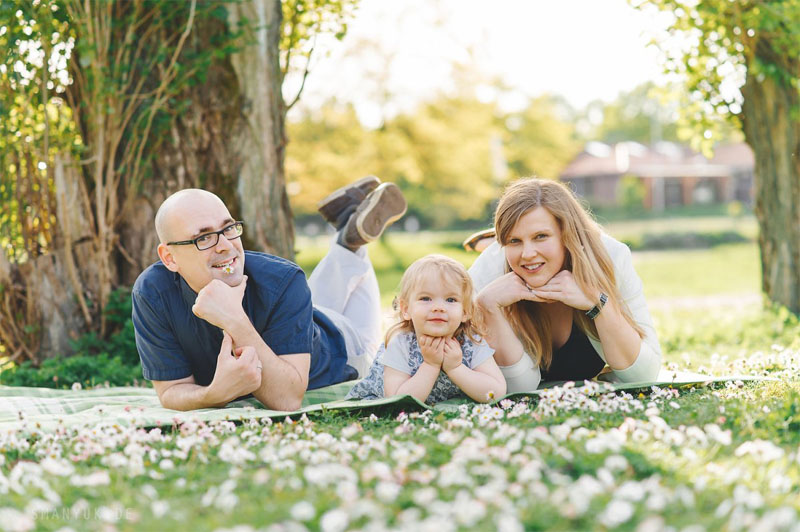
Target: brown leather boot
(381,207)
(337,207)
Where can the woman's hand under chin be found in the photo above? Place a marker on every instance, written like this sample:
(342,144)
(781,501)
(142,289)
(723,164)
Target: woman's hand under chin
(563,288)
(505,291)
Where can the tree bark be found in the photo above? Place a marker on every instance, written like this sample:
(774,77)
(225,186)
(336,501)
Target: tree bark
(231,141)
(259,146)
(770,110)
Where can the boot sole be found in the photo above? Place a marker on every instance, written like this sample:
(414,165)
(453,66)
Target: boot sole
(373,219)
(471,242)
(365,185)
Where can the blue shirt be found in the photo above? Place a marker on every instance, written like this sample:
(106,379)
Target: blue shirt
(173,343)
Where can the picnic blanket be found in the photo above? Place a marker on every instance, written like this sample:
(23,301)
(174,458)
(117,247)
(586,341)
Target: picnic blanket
(49,409)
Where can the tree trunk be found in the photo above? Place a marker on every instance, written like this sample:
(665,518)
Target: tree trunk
(772,129)
(230,141)
(260,143)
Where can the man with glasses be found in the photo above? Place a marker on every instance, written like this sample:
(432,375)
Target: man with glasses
(214,322)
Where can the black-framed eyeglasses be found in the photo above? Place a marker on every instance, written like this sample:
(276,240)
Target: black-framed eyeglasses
(209,240)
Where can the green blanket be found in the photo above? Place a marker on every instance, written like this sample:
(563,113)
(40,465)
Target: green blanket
(48,409)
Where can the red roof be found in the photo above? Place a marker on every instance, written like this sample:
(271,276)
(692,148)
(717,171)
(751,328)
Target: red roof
(664,159)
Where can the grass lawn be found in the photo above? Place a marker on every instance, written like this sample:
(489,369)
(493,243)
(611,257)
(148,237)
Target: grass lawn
(699,458)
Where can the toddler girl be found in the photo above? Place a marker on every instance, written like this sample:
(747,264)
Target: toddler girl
(434,352)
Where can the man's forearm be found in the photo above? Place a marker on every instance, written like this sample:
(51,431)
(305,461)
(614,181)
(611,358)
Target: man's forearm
(187,396)
(282,385)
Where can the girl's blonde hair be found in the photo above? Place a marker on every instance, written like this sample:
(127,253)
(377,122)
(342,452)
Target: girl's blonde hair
(586,257)
(449,271)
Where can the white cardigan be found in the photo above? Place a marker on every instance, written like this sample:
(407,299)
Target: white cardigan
(491,264)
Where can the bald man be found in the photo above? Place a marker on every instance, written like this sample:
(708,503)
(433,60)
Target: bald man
(214,322)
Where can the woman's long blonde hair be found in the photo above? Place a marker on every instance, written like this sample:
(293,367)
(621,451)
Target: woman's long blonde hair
(586,257)
(450,271)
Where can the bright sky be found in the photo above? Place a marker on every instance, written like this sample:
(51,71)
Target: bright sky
(398,53)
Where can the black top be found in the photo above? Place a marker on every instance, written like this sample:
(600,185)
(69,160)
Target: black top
(173,343)
(576,360)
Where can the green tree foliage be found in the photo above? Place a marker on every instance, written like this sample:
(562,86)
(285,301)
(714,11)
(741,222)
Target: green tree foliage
(35,122)
(303,22)
(741,64)
(451,155)
(99,97)
(644,114)
(720,44)
(538,140)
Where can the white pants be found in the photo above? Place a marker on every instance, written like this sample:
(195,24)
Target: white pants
(344,287)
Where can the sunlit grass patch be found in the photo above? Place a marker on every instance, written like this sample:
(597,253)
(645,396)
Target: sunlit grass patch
(580,458)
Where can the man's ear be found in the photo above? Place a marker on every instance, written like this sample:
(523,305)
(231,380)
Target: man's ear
(167,258)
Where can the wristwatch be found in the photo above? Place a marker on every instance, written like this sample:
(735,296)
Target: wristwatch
(595,310)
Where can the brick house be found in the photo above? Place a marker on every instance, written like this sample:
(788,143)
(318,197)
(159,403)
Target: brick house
(672,174)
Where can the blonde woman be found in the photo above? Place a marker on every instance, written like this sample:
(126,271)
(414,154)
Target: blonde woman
(560,298)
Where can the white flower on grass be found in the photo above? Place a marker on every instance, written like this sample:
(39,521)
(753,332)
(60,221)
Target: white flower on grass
(436,523)
(780,518)
(166,464)
(747,497)
(762,451)
(12,520)
(560,432)
(722,437)
(656,502)
(38,506)
(424,496)
(387,491)
(149,491)
(610,441)
(351,430)
(98,478)
(685,496)
(653,523)
(630,491)
(582,492)
(159,508)
(780,483)
(508,523)
(467,510)
(616,462)
(79,509)
(334,521)
(447,437)
(56,467)
(303,511)
(605,476)
(616,513)
(110,514)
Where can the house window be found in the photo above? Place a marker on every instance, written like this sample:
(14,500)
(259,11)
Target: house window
(583,188)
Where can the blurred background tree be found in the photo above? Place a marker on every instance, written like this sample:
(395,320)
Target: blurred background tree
(108,107)
(754,45)
(452,152)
